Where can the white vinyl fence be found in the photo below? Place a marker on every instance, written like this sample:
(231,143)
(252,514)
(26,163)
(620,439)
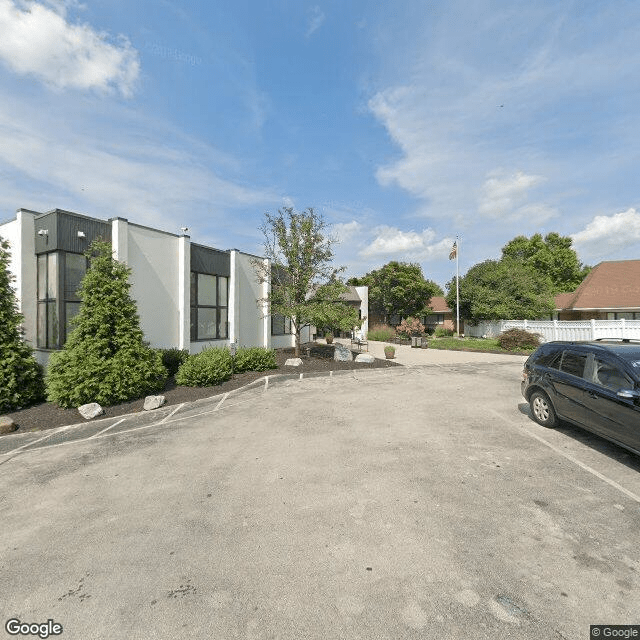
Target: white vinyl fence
(560,329)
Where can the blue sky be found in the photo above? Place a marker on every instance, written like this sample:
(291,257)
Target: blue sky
(405,123)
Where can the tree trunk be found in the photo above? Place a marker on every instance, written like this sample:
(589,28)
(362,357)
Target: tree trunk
(297,347)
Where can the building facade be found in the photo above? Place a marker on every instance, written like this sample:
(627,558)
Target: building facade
(189,296)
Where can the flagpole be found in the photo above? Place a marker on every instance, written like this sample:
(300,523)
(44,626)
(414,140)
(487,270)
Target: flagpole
(457,289)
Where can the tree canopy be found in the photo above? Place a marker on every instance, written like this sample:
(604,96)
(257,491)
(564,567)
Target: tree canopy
(398,288)
(551,257)
(506,289)
(305,286)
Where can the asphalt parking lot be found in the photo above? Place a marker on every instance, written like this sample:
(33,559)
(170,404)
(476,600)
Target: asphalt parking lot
(414,502)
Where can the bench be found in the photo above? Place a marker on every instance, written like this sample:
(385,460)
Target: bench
(359,343)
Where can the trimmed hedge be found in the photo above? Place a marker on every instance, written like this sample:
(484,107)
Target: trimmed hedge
(515,339)
(254,359)
(382,333)
(209,367)
(173,358)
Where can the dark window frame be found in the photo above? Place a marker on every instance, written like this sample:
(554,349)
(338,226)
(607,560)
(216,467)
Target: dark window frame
(285,320)
(194,308)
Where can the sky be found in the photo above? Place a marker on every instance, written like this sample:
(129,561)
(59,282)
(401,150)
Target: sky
(405,123)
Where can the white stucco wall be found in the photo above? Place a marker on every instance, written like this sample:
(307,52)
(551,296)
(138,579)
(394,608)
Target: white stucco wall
(154,259)
(363,292)
(251,328)
(10,231)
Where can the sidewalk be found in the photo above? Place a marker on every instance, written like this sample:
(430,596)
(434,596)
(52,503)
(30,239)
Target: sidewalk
(409,356)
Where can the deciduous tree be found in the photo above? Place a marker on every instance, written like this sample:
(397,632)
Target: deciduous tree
(398,288)
(305,286)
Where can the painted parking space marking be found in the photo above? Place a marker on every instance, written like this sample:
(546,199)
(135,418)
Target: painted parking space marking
(173,412)
(569,457)
(221,401)
(95,435)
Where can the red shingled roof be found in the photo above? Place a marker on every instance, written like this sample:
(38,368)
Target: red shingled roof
(610,285)
(439,305)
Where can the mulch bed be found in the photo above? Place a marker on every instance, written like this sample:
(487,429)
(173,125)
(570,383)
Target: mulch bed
(48,415)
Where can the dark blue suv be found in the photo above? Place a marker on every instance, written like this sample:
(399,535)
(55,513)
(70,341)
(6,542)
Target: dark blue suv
(594,385)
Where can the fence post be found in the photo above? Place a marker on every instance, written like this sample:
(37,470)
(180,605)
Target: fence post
(593,329)
(555,329)
(623,324)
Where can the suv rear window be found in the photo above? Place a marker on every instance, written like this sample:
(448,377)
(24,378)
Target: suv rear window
(549,358)
(573,363)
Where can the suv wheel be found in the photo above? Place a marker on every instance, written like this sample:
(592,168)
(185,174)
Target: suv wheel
(542,410)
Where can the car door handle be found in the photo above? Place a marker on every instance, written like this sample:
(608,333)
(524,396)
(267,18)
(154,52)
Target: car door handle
(593,395)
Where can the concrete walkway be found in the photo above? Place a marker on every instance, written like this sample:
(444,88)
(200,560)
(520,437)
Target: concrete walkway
(409,356)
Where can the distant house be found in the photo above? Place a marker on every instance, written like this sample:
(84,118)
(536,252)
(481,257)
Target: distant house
(441,316)
(611,291)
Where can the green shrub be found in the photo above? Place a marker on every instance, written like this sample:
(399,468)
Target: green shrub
(104,359)
(173,358)
(382,333)
(441,332)
(209,367)
(21,377)
(254,359)
(515,339)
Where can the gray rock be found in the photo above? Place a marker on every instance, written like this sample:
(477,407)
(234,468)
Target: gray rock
(293,362)
(7,425)
(91,410)
(365,357)
(342,354)
(153,402)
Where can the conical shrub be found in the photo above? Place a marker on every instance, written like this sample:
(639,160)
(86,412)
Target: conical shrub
(104,359)
(21,377)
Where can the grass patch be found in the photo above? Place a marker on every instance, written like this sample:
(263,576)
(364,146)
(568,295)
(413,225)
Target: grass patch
(472,344)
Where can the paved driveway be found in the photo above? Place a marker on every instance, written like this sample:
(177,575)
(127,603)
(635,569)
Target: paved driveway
(413,502)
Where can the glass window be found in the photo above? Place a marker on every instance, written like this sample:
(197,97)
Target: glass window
(42,277)
(42,325)
(194,289)
(222,323)
(74,270)
(223,285)
(207,318)
(277,325)
(609,376)
(206,290)
(573,363)
(52,276)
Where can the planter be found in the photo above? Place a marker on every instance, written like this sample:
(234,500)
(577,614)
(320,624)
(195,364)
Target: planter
(329,338)
(389,353)
(416,342)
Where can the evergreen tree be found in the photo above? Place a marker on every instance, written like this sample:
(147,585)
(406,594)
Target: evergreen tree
(104,359)
(21,381)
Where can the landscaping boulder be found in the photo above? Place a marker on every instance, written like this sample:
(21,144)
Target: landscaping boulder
(91,410)
(365,357)
(293,362)
(342,354)
(153,402)
(7,425)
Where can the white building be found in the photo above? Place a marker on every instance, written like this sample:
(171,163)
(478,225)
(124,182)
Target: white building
(189,295)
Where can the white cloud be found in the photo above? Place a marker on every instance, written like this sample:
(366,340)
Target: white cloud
(345,231)
(316,20)
(390,241)
(504,194)
(605,234)
(39,42)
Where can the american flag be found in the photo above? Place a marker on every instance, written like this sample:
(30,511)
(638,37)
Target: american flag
(454,251)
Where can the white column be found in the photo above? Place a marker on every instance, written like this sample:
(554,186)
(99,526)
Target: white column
(266,318)
(234,299)
(184,292)
(120,239)
(24,257)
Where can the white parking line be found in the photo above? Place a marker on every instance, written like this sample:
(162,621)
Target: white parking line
(586,467)
(106,429)
(224,397)
(174,411)
(32,442)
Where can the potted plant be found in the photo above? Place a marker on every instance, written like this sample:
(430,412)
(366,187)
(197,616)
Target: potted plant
(329,338)
(389,352)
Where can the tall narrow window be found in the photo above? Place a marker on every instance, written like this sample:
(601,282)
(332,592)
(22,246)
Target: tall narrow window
(74,270)
(48,329)
(209,306)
